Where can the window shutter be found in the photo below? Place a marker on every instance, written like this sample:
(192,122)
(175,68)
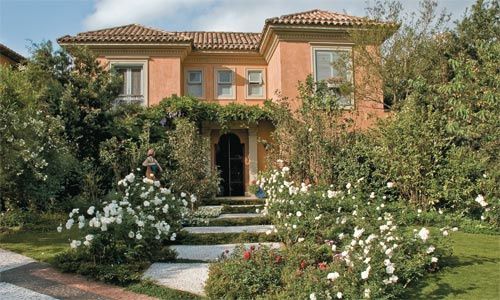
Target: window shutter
(136,85)
(324,66)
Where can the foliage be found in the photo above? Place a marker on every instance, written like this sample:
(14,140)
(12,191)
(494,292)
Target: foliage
(190,170)
(250,272)
(35,158)
(340,243)
(160,292)
(132,227)
(198,111)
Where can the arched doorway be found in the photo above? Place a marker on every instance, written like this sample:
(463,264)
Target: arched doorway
(229,155)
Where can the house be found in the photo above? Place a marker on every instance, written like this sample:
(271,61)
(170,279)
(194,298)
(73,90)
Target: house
(236,67)
(9,57)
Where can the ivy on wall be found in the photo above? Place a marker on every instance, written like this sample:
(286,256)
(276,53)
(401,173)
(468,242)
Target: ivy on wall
(200,111)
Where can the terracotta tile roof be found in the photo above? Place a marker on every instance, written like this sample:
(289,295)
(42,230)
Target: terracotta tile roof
(13,55)
(132,33)
(321,17)
(203,40)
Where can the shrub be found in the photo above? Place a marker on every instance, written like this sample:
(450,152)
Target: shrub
(247,273)
(345,242)
(132,227)
(191,171)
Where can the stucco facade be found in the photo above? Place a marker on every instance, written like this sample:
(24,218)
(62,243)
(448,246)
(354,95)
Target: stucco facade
(283,55)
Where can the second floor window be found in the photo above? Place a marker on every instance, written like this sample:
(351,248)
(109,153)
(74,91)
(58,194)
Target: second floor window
(195,83)
(255,83)
(335,68)
(132,88)
(225,84)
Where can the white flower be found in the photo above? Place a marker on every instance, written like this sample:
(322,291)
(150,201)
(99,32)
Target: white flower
(372,195)
(390,184)
(430,249)
(130,177)
(389,269)
(173,236)
(184,202)
(348,186)
(366,293)
(285,169)
(300,240)
(332,276)
(75,244)
(339,295)
(156,183)
(89,237)
(423,234)
(445,233)
(434,259)
(312,296)
(91,210)
(480,199)
(69,223)
(146,203)
(59,228)
(454,229)
(86,243)
(332,194)
(193,198)
(366,273)
(358,232)
(183,195)
(299,214)
(138,236)
(131,234)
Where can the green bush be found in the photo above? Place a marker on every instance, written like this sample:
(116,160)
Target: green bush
(347,242)
(245,274)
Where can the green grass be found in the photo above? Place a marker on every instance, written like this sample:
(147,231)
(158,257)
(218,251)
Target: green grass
(45,245)
(473,272)
(240,210)
(223,238)
(40,245)
(238,221)
(154,290)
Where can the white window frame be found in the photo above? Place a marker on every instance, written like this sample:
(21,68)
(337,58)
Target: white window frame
(216,84)
(144,74)
(202,83)
(350,74)
(263,83)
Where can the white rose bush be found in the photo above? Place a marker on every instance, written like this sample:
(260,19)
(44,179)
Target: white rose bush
(135,225)
(344,244)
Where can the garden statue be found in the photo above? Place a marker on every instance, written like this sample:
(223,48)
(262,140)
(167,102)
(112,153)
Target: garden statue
(153,168)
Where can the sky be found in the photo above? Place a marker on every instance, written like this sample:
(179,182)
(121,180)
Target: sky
(25,21)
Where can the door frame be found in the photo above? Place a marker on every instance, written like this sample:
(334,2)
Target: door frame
(243,171)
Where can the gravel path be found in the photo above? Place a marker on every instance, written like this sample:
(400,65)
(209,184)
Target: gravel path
(10,260)
(181,276)
(14,292)
(230,229)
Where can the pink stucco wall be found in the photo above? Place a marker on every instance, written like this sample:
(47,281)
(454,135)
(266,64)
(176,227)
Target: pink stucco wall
(164,78)
(274,74)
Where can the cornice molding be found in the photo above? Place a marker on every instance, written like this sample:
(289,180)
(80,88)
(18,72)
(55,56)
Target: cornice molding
(246,58)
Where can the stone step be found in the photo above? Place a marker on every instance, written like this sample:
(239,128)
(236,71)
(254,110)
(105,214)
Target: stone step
(229,229)
(240,215)
(188,277)
(213,252)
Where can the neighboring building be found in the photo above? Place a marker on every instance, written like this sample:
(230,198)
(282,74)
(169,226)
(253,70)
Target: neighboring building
(9,56)
(235,67)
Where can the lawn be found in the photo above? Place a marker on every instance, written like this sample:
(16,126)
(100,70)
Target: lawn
(473,272)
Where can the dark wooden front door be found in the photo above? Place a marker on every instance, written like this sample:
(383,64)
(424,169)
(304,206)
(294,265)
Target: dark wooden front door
(229,154)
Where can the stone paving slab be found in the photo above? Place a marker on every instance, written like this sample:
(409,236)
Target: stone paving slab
(212,252)
(10,260)
(13,292)
(229,229)
(188,277)
(239,215)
